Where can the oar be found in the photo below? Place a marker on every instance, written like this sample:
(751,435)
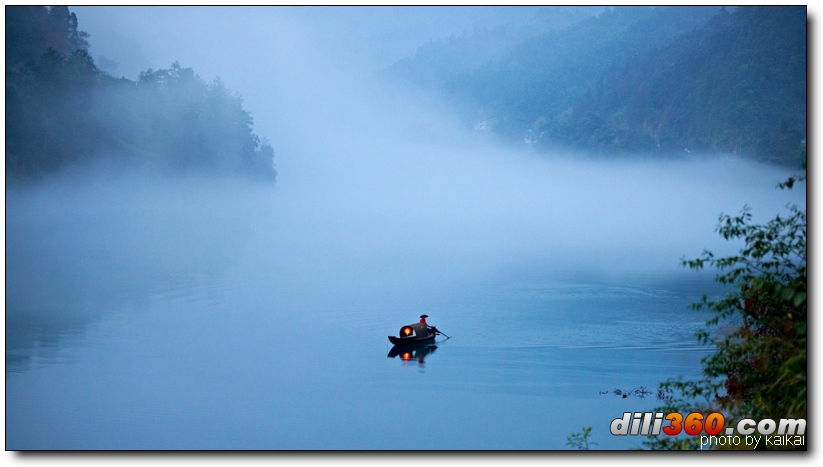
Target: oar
(437,331)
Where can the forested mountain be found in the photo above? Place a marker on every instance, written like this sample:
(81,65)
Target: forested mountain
(62,111)
(737,85)
(438,61)
(645,79)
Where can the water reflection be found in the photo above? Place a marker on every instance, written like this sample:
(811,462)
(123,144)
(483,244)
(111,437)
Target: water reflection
(110,246)
(408,353)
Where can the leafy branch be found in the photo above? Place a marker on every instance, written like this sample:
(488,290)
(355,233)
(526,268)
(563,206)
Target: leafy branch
(580,440)
(759,368)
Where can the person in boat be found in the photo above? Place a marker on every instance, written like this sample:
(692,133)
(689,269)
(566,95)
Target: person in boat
(431,329)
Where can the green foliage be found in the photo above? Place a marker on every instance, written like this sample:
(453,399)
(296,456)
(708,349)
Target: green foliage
(759,329)
(580,440)
(62,111)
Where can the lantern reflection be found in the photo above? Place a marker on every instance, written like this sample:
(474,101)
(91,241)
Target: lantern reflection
(408,354)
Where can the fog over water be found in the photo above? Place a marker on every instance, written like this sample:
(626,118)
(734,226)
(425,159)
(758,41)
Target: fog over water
(202,298)
(391,162)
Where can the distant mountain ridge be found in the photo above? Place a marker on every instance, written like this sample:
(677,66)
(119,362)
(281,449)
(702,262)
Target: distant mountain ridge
(438,61)
(640,80)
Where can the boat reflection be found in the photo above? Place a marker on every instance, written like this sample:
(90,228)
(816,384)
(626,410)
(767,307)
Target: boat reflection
(409,353)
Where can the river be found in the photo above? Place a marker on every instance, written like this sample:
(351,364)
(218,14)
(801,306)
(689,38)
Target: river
(144,314)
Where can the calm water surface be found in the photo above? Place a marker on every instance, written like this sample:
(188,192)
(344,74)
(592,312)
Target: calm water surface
(188,318)
(230,361)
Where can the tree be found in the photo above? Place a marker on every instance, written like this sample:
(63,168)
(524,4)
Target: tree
(31,30)
(758,369)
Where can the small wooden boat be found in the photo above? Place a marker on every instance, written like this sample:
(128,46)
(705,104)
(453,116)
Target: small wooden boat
(407,341)
(413,334)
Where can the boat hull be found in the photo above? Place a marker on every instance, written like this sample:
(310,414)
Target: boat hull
(410,341)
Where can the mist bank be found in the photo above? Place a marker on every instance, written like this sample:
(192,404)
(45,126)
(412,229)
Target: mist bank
(384,183)
(81,247)
(426,216)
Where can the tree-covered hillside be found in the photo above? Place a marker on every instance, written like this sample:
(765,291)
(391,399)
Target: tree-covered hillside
(62,111)
(439,61)
(545,74)
(642,79)
(737,85)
